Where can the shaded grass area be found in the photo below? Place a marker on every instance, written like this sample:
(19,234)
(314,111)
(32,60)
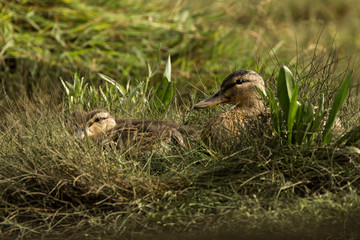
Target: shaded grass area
(53,186)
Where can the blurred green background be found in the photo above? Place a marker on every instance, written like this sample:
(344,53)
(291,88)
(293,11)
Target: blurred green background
(206,40)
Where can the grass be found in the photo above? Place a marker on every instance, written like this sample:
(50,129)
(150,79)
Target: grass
(53,186)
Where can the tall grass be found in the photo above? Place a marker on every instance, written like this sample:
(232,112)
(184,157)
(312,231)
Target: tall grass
(107,56)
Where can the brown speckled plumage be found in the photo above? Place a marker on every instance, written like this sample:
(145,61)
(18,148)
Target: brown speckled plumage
(149,134)
(135,136)
(239,88)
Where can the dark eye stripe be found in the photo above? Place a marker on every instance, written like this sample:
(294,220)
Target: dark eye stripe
(237,83)
(98,119)
(230,85)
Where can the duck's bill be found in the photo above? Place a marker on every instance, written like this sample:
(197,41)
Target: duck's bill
(215,99)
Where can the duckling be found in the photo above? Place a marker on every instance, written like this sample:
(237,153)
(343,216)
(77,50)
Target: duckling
(76,121)
(142,135)
(238,89)
(93,124)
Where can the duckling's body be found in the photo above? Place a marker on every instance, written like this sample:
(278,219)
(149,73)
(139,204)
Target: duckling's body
(137,135)
(148,134)
(239,88)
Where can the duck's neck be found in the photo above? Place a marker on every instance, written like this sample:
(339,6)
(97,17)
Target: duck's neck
(250,107)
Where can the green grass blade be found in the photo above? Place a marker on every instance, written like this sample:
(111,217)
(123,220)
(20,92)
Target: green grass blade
(304,120)
(65,87)
(274,111)
(157,63)
(148,77)
(76,84)
(319,114)
(338,102)
(318,119)
(118,86)
(165,90)
(308,121)
(292,112)
(285,89)
(167,73)
(149,70)
(264,97)
(350,137)
(133,93)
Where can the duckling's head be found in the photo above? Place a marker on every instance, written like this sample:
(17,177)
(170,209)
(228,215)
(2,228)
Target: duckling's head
(98,122)
(239,89)
(76,121)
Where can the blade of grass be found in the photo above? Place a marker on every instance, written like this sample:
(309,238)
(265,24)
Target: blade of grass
(165,90)
(350,137)
(118,86)
(292,112)
(285,89)
(274,111)
(304,120)
(338,102)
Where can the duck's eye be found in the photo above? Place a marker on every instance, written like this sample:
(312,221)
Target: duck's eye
(97,120)
(239,81)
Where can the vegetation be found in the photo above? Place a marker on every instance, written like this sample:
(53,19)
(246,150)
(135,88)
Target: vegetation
(299,179)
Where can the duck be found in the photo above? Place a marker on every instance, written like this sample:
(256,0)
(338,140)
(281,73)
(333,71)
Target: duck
(240,90)
(142,136)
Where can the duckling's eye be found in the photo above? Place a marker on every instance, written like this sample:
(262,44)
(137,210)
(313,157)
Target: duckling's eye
(239,81)
(97,120)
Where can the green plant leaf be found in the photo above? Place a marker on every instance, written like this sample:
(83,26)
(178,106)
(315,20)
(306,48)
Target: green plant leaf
(167,73)
(285,89)
(135,91)
(165,90)
(118,86)
(304,120)
(318,119)
(65,87)
(274,111)
(76,84)
(71,88)
(149,69)
(350,137)
(262,94)
(292,112)
(337,104)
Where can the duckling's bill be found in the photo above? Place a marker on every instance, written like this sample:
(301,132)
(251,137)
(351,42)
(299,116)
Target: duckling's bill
(215,99)
(82,133)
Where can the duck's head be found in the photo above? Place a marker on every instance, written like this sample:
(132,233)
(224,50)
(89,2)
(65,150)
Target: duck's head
(98,122)
(239,88)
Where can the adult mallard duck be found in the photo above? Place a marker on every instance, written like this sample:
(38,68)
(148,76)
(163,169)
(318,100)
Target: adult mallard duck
(139,135)
(239,89)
